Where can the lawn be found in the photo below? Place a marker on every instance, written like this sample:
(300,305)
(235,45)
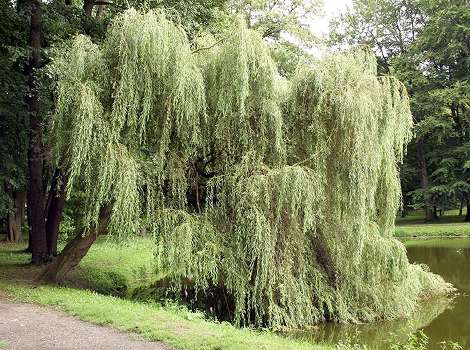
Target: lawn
(118,269)
(450,224)
(101,288)
(131,264)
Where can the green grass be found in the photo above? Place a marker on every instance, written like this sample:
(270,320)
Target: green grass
(450,224)
(3,344)
(117,269)
(456,243)
(170,323)
(434,230)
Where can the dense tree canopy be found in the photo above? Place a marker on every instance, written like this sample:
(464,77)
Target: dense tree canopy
(425,43)
(281,193)
(268,178)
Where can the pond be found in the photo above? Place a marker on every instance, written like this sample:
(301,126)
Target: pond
(440,319)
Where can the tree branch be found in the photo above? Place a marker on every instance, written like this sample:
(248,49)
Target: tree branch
(210,46)
(103,2)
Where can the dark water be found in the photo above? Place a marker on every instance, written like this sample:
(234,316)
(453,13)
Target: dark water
(441,319)
(451,260)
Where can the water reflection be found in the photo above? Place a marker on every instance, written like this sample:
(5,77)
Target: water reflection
(380,334)
(452,261)
(441,319)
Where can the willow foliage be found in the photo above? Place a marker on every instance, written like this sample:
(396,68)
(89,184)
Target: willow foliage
(299,184)
(241,95)
(128,116)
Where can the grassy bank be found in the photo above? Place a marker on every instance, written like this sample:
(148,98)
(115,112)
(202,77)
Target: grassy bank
(450,224)
(116,269)
(130,265)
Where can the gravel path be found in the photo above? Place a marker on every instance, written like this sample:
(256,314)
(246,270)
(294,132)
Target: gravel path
(30,327)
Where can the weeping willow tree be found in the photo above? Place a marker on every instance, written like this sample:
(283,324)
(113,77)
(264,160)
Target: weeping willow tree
(128,120)
(304,236)
(281,194)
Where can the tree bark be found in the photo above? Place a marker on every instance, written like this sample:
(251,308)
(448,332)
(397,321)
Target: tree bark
(55,210)
(14,221)
(17,216)
(20,201)
(28,216)
(76,249)
(423,176)
(35,154)
(434,213)
(100,10)
(10,216)
(404,208)
(88,7)
(467,216)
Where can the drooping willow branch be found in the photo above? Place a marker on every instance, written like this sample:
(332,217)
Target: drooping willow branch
(296,226)
(210,46)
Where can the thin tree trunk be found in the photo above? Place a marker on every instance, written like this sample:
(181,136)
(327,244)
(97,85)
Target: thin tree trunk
(28,217)
(11,222)
(88,7)
(55,210)
(100,10)
(461,206)
(467,216)
(76,249)
(35,156)
(423,175)
(404,208)
(19,200)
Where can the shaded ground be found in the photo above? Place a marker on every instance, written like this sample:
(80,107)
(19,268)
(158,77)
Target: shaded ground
(26,326)
(450,224)
(417,217)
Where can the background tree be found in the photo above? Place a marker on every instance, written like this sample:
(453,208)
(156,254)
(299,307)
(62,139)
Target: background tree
(403,34)
(284,25)
(448,56)
(13,120)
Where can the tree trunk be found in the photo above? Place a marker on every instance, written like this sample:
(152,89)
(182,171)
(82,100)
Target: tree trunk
(423,176)
(13,225)
(88,7)
(76,249)
(16,217)
(467,216)
(434,213)
(28,216)
(55,209)
(461,206)
(35,154)
(404,208)
(100,10)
